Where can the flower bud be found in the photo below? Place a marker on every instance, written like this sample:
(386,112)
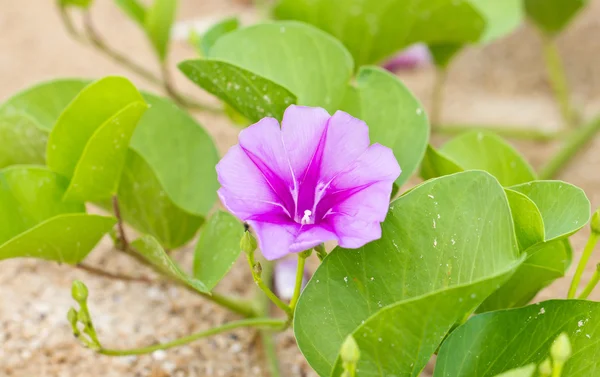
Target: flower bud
(545,368)
(248,243)
(595,223)
(350,352)
(72,317)
(561,349)
(79,291)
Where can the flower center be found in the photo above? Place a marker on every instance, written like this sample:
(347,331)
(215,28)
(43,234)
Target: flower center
(306,219)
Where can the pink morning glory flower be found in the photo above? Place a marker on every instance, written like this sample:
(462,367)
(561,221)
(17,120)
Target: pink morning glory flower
(411,57)
(315,179)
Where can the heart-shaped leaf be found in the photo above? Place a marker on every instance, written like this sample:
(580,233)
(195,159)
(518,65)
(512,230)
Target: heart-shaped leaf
(373,29)
(495,342)
(145,205)
(551,16)
(23,142)
(89,142)
(400,295)
(149,248)
(215,32)
(501,17)
(479,150)
(311,64)
(251,95)
(134,9)
(395,117)
(158,20)
(218,248)
(35,222)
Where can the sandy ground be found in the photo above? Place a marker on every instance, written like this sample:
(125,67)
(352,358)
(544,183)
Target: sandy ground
(500,84)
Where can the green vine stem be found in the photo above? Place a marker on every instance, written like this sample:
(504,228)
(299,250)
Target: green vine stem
(558,80)
(266,336)
(256,270)
(271,323)
(299,277)
(585,257)
(574,144)
(97,41)
(437,95)
(591,285)
(511,132)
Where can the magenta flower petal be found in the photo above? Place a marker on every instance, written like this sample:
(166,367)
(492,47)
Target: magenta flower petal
(316,179)
(410,58)
(284,278)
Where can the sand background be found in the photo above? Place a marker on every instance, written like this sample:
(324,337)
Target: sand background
(503,83)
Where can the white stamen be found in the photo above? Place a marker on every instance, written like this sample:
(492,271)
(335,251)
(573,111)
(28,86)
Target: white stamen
(306,218)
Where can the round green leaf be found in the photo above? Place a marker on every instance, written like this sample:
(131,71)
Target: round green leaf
(45,101)
(483,151)
(251,95)
(492,343)
(373,29)
(564,207)
(501,17)
(218,248)
(395,117)
(445,246)
(310,63)
(23,142)
(145,205)
(215,32)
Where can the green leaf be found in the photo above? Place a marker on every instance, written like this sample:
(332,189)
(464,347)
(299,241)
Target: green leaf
(181,154)
(484,151)
(218,248)
(89,142)
(529,225)
(373,29)
(564,207)
(158,21)
(545,263)
(64,238)
(436,164)
(552,16)
(217,31)
(76,3)
(443,53)
(87,112)
(35,222)
(526,371)
(177,148)
(395,117)
(401,294)
(145,205)
(253,96)
(44,102)
(545,214)
(134,9)
(501,17)
(149,248)
(493,343)
(310,63)
(23,142)
(99,169)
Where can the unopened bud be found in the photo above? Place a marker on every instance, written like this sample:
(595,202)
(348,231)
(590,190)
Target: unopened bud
(257,269)
(248,243)
(545,368)
(595,223)
(561,349)
(350,353)
(72,317)
(79,291)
